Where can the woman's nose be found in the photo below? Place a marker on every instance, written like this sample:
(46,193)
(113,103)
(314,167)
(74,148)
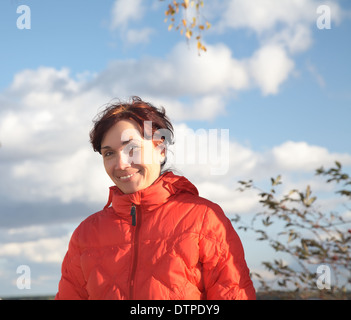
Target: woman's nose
(122,162)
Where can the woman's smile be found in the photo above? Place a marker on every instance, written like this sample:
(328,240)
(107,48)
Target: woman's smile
(127,177)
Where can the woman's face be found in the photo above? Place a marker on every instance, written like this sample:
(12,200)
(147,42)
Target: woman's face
(132,162)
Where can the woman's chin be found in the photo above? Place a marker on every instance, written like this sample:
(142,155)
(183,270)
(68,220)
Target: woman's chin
(129,185)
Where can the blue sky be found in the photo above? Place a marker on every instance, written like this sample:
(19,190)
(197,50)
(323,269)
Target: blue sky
(278,83)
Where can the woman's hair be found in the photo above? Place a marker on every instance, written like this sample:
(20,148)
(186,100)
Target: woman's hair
(139,111)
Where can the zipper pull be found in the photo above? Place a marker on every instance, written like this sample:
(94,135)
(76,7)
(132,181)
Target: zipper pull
(133,214)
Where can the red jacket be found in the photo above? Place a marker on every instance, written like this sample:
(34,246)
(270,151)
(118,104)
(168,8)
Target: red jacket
(163,242)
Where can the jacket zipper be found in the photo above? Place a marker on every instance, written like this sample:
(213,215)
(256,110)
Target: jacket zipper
(135,223)
(133,214)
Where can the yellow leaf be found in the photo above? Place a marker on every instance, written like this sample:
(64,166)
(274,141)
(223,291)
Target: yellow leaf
(184,22)
(208,25)
(200,46)
(186,4)
(194,23)
(170,27)
(188,34)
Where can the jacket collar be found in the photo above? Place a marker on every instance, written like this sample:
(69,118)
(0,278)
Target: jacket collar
(151,197)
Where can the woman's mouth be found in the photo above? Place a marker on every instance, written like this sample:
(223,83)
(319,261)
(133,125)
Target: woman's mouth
(128,177)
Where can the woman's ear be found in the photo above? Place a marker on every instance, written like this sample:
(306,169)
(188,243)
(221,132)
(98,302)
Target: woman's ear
(161,150)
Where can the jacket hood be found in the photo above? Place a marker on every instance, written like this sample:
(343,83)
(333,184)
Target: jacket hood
(158,193)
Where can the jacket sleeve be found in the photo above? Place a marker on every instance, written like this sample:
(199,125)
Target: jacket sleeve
(225,273)
(72,283)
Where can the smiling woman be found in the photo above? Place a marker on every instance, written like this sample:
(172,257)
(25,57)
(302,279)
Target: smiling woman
(159,240)
(129,138)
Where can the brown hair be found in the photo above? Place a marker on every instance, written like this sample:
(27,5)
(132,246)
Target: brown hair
(137,110)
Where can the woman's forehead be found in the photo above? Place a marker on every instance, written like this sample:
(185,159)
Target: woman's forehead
(121,133)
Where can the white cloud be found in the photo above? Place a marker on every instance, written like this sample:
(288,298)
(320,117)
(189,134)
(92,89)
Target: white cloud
(300,156)
(270,67)
(136,36)
(263,15)
(295,40)
(183,73)
(287,24)
(123,14)
(125,11)
(180,73)
(41,250)
(216,71)
(44,80)
(78,176)
(230,200)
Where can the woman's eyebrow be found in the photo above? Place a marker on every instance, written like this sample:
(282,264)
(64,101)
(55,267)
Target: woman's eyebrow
(123,143)
(130,140)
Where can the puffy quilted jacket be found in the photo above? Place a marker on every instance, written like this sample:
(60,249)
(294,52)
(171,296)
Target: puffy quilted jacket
(163,242)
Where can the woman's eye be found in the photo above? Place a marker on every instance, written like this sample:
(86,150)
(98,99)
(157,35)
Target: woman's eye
(130,148)
(133,149)
(107,154)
